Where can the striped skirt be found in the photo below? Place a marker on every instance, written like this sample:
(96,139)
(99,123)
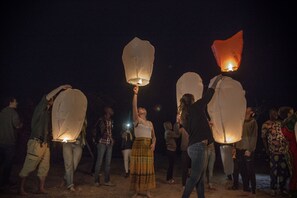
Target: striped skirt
(142,170)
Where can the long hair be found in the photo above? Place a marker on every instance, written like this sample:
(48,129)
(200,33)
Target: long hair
(183,109)
(283,112)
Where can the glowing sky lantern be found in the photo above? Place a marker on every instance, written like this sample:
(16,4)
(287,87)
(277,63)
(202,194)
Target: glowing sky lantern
(68,115)
(227,110)
(138,59)
(189,82)
(228,52)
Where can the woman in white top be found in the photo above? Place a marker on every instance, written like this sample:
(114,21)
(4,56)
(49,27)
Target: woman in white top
(142,170)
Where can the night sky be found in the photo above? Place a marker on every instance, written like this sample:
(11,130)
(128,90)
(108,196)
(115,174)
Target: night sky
(46,44)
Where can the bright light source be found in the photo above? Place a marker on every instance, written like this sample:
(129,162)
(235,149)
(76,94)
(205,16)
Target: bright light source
(230,67)
(128,124)
(139,82)
(65,140)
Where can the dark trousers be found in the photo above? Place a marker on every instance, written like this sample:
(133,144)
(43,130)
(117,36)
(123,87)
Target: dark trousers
(171,157)
(94,149)
(278,169)
(7,153)
(185,165)
(245,166)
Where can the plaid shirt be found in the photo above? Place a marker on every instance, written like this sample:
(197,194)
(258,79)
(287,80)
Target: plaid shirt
(105,131)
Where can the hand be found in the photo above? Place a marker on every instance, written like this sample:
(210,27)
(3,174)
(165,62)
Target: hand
(135,90)
(233,151)
(210,123)
(153,147)
(66,86)
(178,118)
(220,76)
(247,153)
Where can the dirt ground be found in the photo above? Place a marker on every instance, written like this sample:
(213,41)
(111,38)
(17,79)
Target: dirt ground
(85,188)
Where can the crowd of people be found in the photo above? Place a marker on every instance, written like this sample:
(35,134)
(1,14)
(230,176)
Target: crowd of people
(192,126)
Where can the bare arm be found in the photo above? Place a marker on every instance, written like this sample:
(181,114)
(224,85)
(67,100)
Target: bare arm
(55,91)
(154,139)
(219,77)
(134,104)
(264,131)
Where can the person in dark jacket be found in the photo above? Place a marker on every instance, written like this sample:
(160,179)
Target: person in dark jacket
(194,119)
(9,123)
(127,142)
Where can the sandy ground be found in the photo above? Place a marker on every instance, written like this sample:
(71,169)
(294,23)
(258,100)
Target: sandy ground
(85,188)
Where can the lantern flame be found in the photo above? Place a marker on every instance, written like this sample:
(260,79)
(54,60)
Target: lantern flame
(230,67)
(139,82)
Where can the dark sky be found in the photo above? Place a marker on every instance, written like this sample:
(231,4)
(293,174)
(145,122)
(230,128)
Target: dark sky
(46,44)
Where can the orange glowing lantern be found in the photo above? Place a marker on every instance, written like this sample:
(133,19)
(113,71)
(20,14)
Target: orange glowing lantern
(228,52)
(138,58)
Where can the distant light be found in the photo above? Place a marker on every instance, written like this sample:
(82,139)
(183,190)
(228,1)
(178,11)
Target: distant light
(158,107)
(128,124)
(65,140)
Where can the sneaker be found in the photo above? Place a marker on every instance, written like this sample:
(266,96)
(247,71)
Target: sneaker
(108,184)
(170,181)
(233,188)
(72,189)
(211,187)
(284,192)
(273,193)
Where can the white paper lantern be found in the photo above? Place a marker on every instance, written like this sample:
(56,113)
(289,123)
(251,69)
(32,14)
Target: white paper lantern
(138,59)
(68,115)
(189,82)
(227,110)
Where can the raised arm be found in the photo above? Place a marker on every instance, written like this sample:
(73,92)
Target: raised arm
(134,104)
(55,91)
(214,84)
(209,92)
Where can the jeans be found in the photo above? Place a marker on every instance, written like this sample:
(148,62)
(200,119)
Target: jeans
(7,153)
(126,156)
(101,150)
(197,154)
(186,165)
(72,154)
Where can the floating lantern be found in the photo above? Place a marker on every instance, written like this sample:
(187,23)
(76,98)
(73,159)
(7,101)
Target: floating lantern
(68,115)
(138,58)
(228,52)
(189,82)
(227,111)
